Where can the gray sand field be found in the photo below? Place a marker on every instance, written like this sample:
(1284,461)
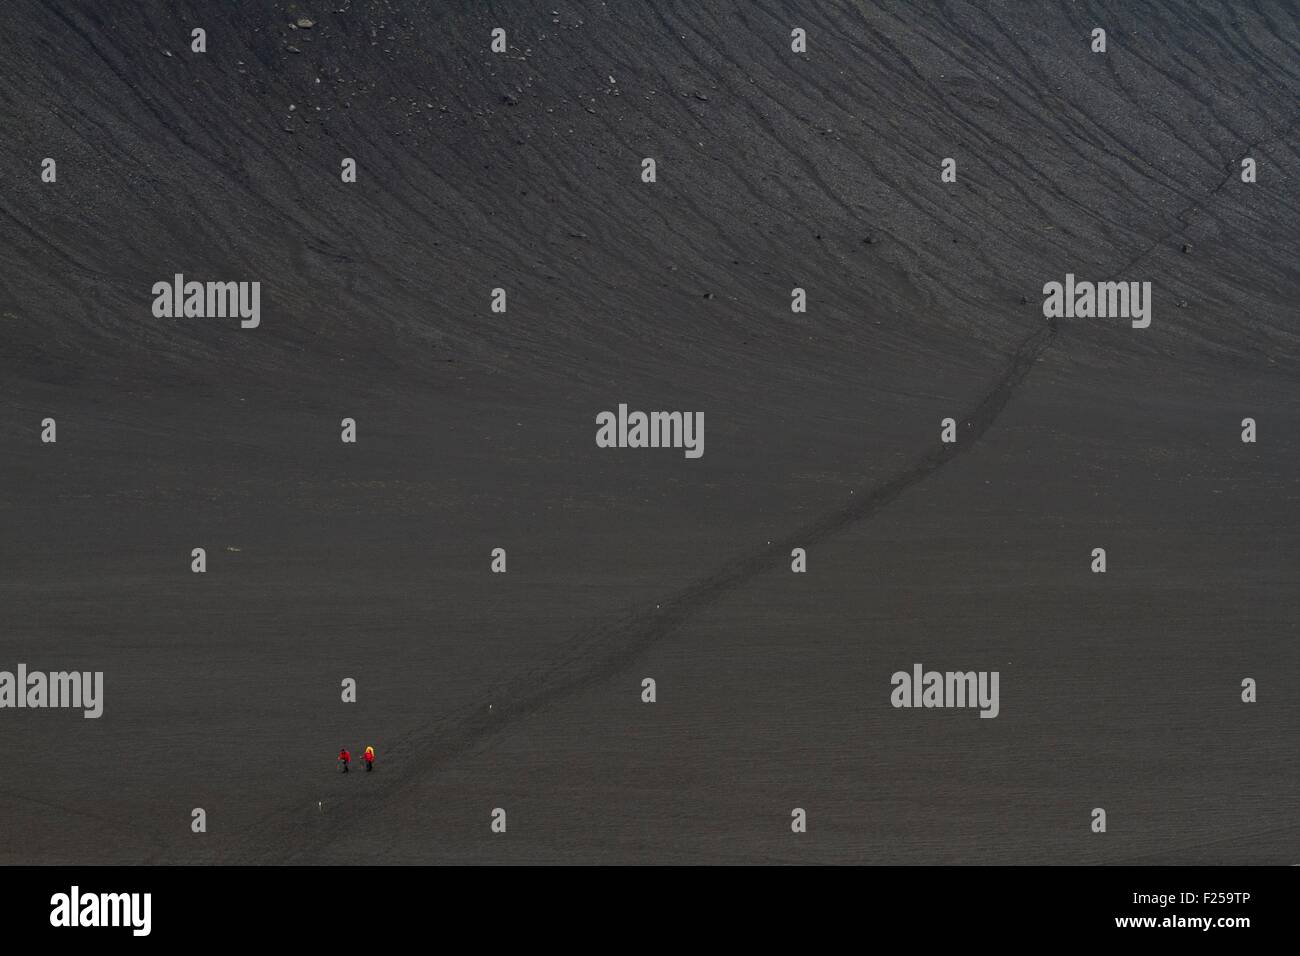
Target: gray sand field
(476,431)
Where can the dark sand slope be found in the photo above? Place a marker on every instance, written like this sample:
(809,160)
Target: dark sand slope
(477,431)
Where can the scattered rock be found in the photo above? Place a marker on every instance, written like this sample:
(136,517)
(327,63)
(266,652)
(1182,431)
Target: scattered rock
(1024,300)
(870,240)
(1187,247)
(708,295)
(292,49)
(306,24)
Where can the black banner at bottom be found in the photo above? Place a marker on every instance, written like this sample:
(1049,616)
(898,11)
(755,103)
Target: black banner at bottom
(1153,904)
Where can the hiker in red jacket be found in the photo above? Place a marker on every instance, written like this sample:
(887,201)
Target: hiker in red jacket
(369,757)
(344,758)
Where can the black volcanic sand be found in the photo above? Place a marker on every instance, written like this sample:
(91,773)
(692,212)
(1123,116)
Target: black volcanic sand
(476,431)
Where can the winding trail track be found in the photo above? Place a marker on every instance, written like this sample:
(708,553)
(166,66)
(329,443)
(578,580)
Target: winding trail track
(605,651)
